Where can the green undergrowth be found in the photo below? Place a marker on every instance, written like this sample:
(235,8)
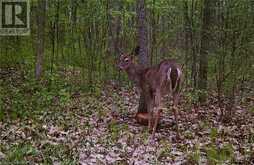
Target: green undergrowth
(29,109)
(25,153)
(46,122)
(22,97)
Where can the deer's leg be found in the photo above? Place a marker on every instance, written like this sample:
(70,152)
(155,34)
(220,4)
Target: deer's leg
(157,108)
(150,120)
(156,120)
(150,114)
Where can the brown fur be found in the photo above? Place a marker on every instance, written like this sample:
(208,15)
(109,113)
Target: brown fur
(154,82)
(142,118)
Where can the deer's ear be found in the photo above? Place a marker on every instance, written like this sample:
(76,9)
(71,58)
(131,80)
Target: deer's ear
(136,51)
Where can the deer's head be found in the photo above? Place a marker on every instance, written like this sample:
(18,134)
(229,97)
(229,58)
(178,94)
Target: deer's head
(126,60)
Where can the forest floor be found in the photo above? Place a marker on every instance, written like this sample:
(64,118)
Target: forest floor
(101,129)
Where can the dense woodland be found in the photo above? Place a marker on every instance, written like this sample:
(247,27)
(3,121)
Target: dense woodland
(63,99)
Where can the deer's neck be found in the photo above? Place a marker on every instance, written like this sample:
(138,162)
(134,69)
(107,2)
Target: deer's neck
(135,73)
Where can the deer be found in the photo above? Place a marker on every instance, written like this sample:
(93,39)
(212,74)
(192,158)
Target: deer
(154,82)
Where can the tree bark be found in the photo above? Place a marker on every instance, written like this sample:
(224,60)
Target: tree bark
(142,42)
(186,37)
(41,22)
(205,45)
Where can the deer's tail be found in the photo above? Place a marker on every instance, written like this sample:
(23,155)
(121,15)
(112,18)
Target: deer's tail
(179,73)
(169,78)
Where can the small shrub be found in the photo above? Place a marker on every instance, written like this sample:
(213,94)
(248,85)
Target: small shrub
(18,154)
(217,155)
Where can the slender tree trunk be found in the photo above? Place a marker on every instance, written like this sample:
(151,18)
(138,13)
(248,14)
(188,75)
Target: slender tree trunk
(41,22)
(194,45)
(205,45)
(186,37)
(153,34)
(117,31)
(109,42)
(220,76)
(142,32)
(142,42)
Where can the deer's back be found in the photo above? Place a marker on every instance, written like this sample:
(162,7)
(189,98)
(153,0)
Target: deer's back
(158,74)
